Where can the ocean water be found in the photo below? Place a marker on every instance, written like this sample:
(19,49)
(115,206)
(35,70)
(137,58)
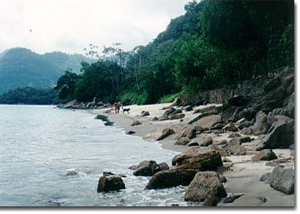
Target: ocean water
(54,157)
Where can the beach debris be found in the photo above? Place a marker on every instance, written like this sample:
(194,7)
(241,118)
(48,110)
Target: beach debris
(206,187)
(146,168)
(110,183)
(283,180)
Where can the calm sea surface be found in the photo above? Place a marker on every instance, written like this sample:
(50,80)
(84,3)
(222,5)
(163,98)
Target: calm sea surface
(54,157)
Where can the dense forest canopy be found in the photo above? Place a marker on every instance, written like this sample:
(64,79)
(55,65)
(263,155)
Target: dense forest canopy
(215,43)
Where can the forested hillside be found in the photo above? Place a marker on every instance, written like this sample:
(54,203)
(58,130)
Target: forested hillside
(215,43)
(20,67)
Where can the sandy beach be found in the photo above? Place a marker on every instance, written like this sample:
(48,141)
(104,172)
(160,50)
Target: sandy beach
(243,174)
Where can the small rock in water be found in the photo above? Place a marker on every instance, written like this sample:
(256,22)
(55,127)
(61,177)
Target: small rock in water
(108,173)
(72,172)
(130,132)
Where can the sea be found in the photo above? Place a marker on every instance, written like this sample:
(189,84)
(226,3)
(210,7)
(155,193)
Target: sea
(55,157)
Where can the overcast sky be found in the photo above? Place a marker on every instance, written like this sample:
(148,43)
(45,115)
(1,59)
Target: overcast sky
(70,25)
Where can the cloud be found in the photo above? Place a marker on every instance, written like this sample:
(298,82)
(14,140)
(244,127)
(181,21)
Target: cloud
(70,25)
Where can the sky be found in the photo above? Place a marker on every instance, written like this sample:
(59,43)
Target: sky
(71,25)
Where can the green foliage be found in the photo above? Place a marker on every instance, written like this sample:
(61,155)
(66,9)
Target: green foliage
(20,67)
(215,43)
(169,98)
(102,80)
(66,85)
(30,95)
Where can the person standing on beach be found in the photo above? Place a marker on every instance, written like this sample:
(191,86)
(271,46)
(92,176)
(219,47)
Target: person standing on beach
(119,106)
(116,107)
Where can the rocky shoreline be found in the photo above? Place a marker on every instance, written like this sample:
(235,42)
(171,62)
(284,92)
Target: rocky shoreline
(239,152)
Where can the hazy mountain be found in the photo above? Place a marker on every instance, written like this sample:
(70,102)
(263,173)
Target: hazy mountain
(20,67)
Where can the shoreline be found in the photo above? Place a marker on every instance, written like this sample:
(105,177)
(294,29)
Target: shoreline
(244,174)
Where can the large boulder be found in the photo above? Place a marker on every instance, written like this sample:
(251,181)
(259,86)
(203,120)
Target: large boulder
(199,159)
(283,180)
(205,186)
(146,168)
(159,134)
(260,126)
(280,135)
(110,183)
(171,178)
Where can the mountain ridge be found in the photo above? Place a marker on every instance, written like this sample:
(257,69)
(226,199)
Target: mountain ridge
(21,67)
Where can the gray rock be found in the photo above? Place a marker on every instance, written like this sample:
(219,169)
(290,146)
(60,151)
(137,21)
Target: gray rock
(110,183)
(130,132)
(144,113)
(164,117)
(280,135)
(169,111)
(283,180)
(171,178)
(205,186)
(230,127)
(199,159)
(193,143)
(163,166)
(272,84)
(182,141)
(159,134)
(136,123)
(146,168)
(205,141)
(231,198)
(265,178)
(189,132)
(176,116)
(245,139)
(260,126)
(234,135)
(266,154)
